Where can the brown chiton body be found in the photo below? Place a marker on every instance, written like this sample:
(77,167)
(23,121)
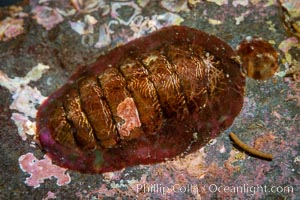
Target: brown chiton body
(157,97)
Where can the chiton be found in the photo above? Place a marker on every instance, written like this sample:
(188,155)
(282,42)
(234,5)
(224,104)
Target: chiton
(159,96)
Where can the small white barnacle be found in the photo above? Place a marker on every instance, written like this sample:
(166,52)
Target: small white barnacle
(211,142)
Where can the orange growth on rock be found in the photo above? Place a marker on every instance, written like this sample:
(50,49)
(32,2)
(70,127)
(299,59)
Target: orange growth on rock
(128,112)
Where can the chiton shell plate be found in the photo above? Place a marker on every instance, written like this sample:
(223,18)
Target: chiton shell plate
(159,96)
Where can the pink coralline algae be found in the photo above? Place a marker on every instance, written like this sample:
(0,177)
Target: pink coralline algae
(88,6)
(47,17)
(128,111)
(235,3)
(10,28)
(287,44)
(104,36)
(86,27)
(175,6)
(40,170)
(25,126)
(29,96)
(50,195)
(25,98)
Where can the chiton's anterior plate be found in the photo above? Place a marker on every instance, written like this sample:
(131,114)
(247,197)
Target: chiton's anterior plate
(157,97)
